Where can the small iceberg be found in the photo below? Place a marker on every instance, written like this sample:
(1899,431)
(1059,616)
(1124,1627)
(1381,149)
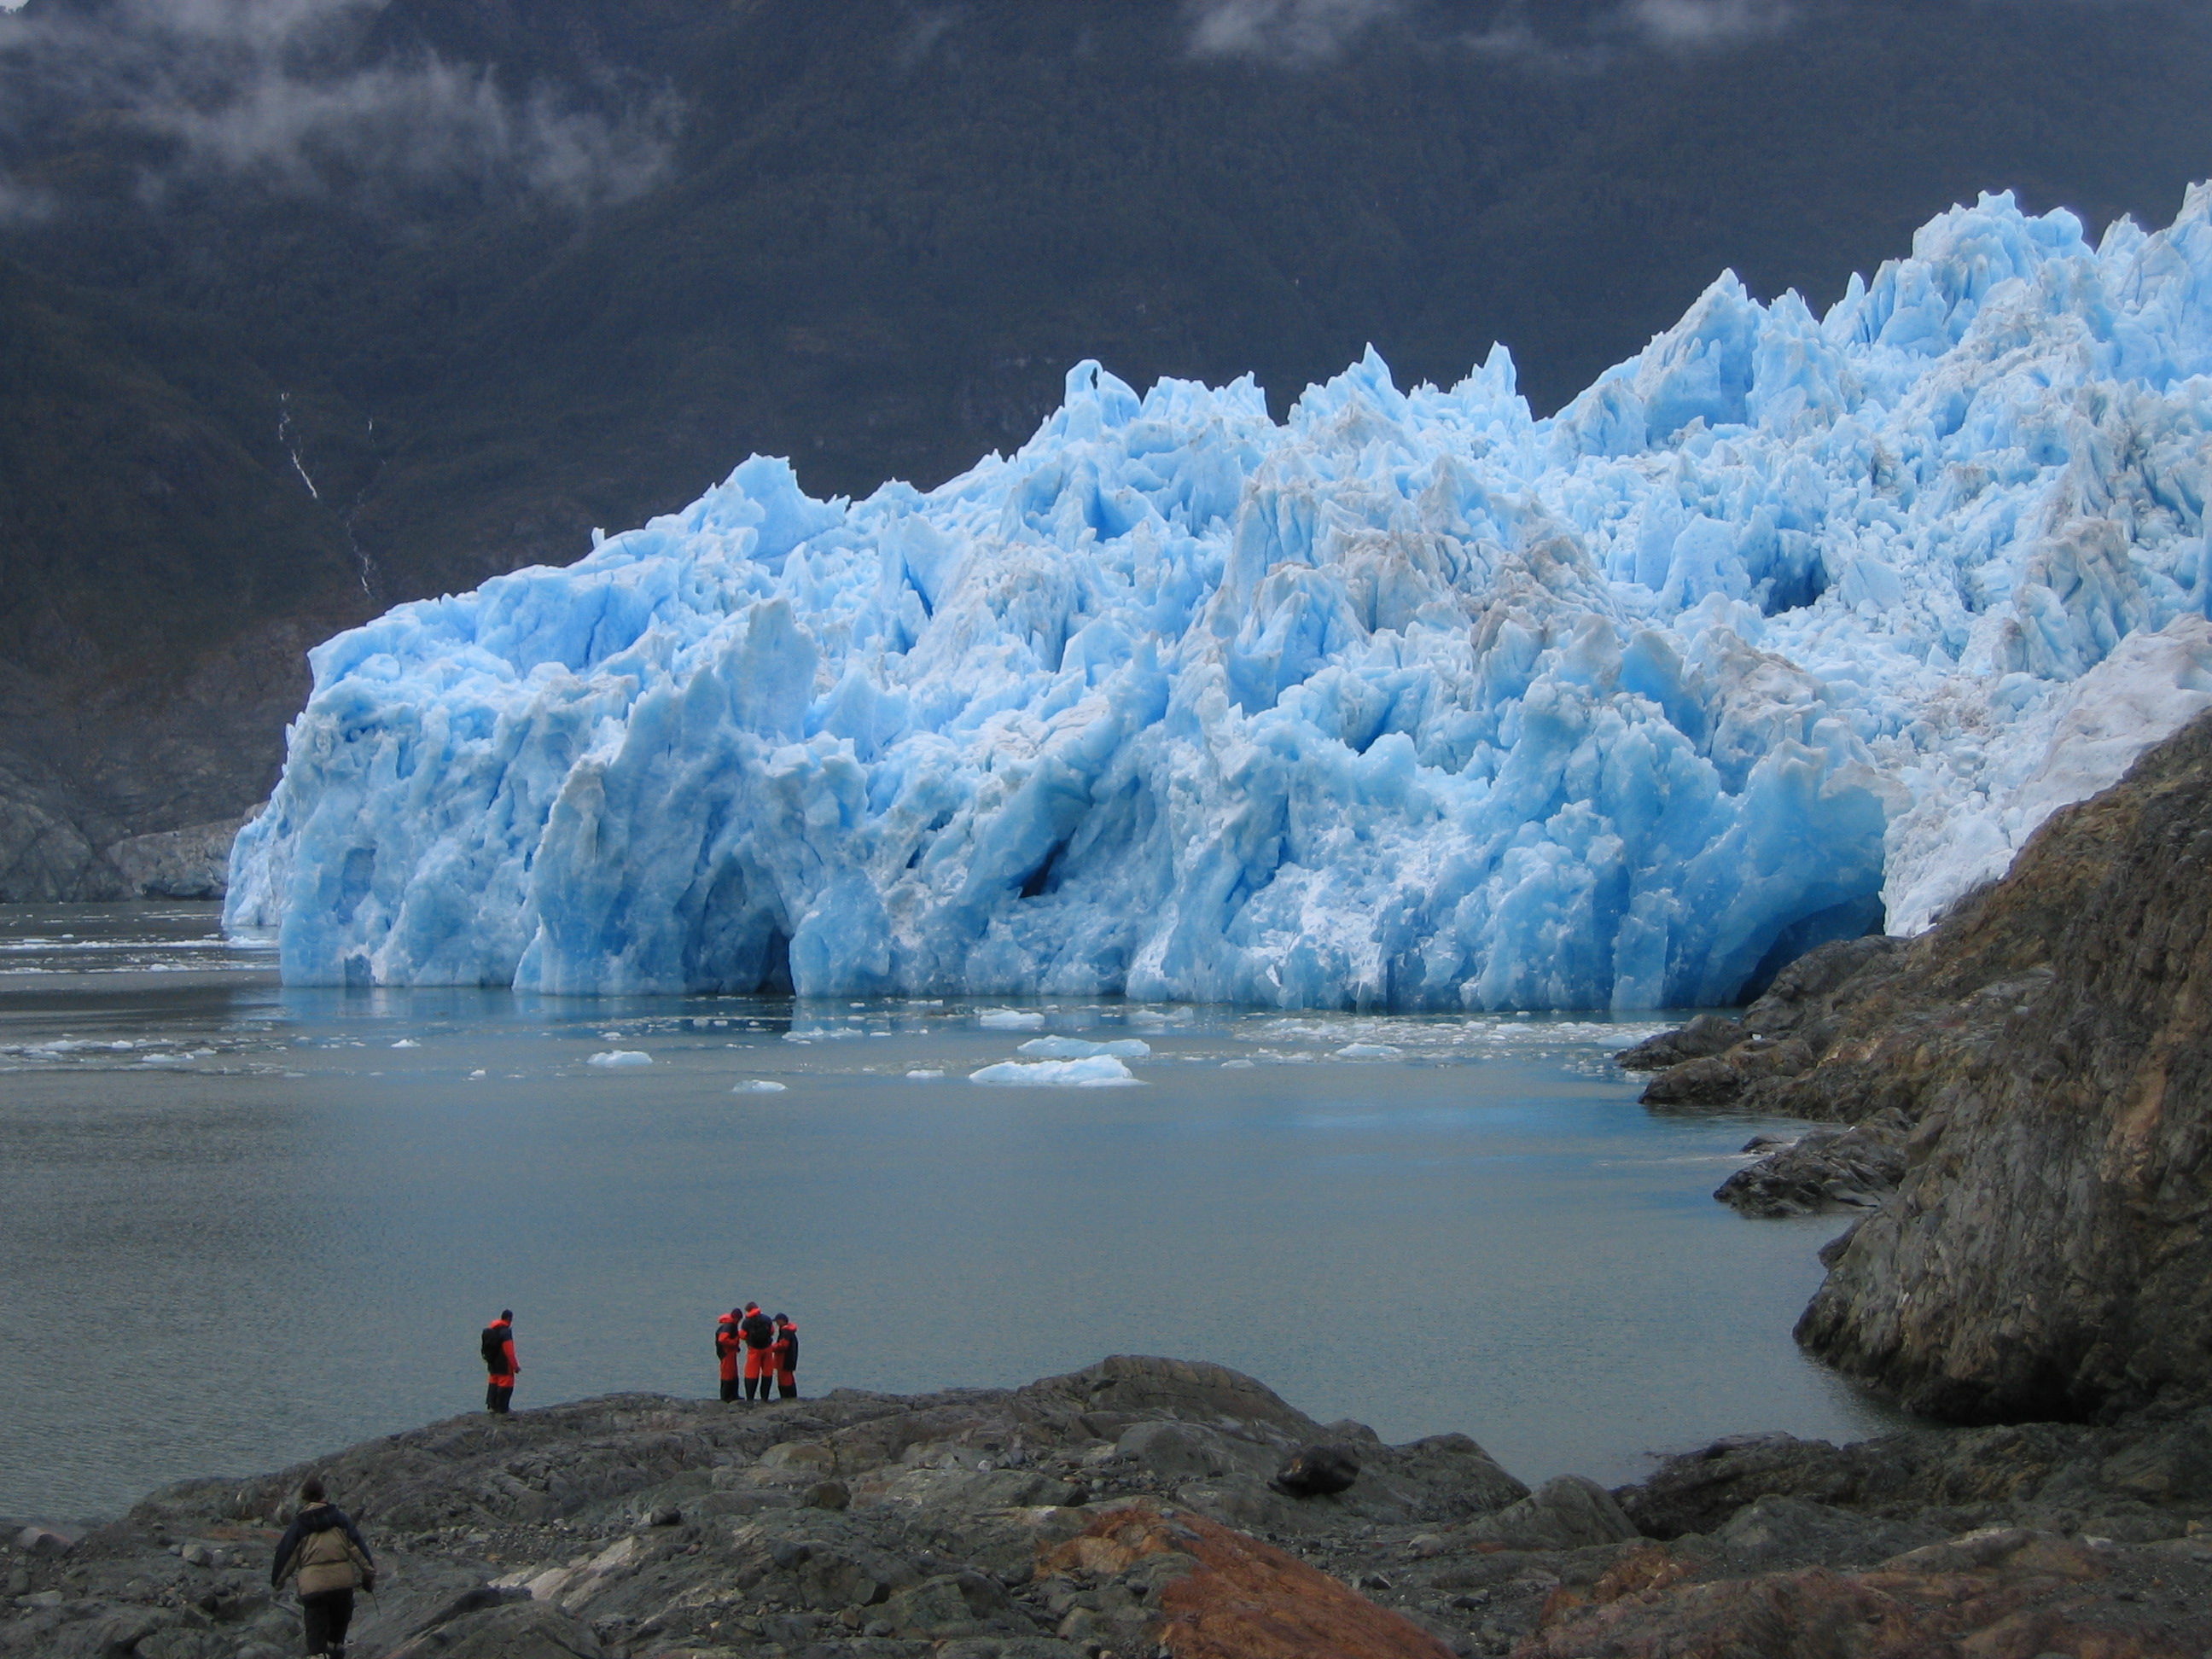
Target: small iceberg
(757,1085)
(407,1043)
(1099,1072)
(1010,1019)
(1068,1047)
(1369,1051)
(611,1057)
(924,1073)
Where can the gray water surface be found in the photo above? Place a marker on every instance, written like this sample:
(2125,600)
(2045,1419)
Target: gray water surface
(245,1225)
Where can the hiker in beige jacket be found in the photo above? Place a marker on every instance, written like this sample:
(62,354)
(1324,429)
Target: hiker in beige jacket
(328,1552)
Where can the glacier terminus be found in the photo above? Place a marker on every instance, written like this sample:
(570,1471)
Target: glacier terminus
(1789,627)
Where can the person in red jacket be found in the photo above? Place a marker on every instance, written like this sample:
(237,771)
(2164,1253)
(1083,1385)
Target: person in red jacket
(728,1345)
(759,1333)
(785,1350)
(500,1363)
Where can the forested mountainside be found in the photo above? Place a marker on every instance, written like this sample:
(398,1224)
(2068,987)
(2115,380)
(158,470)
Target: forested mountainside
(310,309)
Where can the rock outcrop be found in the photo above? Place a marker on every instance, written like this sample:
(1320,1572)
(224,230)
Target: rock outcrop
(2046,1254)
(192,863)
(2030,1089)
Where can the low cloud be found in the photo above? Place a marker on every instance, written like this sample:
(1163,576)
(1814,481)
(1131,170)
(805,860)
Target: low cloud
(1692,24)
(285,92)
(19,205)
(1287,31)
(1306,31)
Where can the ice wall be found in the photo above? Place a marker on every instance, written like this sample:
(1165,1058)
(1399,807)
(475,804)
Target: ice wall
(1411,701)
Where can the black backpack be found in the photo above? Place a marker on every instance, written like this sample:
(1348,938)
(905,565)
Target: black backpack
(494,1348)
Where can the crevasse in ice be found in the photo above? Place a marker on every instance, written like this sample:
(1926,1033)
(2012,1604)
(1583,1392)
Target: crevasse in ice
(1787,626)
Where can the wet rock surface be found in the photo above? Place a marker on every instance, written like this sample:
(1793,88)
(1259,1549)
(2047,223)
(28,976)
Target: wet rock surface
(1127,1509)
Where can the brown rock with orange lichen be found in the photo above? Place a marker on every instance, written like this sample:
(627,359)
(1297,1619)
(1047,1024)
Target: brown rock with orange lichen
(1210,1593)
(2001,1595)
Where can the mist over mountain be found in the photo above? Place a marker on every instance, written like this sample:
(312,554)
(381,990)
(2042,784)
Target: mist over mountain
(308,306)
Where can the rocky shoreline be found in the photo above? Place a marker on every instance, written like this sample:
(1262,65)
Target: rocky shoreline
(2028,1093)
(1141,1507)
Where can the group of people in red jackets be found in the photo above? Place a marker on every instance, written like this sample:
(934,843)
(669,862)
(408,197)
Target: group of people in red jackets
(760,1352)
(757,1352)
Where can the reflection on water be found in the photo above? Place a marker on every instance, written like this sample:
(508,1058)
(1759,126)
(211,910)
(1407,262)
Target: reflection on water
(247,1224)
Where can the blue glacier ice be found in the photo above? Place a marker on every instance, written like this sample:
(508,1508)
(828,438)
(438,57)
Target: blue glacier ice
(1788,626)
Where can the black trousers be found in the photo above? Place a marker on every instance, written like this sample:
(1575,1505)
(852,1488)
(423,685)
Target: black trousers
(324,1617)
(729,1387)
(496,1397)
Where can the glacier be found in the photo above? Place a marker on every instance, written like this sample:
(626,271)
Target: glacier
(1790,627)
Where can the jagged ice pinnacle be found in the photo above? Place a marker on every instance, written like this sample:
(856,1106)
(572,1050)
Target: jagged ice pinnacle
(1789,626)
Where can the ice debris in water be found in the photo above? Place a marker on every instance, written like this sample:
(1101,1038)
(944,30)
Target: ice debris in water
(1790,625)
(1067,1048)
(757,1085)
(621,1057)
(1010,1019)
(1099,1071)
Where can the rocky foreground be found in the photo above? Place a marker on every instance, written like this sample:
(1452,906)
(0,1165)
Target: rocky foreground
(1149,1507)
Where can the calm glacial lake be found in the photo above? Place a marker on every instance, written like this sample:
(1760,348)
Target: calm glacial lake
(244,1224)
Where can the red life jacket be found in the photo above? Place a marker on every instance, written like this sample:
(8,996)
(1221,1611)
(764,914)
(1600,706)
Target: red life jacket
(726,1344)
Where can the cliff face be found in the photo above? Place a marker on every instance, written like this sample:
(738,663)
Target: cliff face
(2046,1254)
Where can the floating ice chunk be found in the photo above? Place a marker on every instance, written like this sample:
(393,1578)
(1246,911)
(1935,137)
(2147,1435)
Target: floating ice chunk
(1236,1065)
(162,1060)
(612,1057)
(1010,1019)
(924,1073)
(1068,1047)
(758,1086)
(823,1034)
(407,1043)
(478,1072)
(1414,699)
(1099,1072)
(1370,1051)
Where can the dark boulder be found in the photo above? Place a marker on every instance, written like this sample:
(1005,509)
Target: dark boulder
(1317,1472)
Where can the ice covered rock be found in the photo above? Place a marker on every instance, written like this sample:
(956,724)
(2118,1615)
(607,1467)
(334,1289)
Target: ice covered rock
(1788,624)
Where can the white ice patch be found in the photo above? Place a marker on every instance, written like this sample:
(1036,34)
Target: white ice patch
(1786,625)
(923,1073)
(758,1086)
(1370,1051)
(1099,1072)
(613,1057)
(1068,1047)
(407,1043)
(1010,1019)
